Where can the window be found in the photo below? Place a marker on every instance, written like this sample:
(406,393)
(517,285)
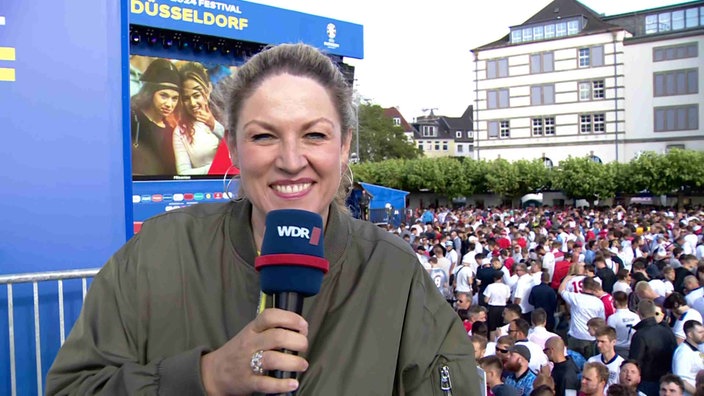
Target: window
(690,19)
(674,20)
(444,146)
(499,129)
(549,31)
(420,147)
(598,89)
(397,121)
(460,147)
(527,34)
(676,118)
(561,29)
(497,68)
(599,122)
(573,27)
(591,90)
(671,147)
(469,134)
(542,95)
(682,51)
(538,33)
(429,130)
(458,135)
(541,63)
(593,56)
(497,98)
(676,82)
(664,22)
(516,36)
(504,131)
(585,123)
(543,126)
(493,129)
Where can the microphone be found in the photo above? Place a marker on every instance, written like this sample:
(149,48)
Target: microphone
(292,262)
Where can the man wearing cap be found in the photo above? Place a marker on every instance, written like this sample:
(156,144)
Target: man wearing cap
(520,376)
(451,255)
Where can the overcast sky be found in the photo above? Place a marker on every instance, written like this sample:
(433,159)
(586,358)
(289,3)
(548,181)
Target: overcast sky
(417,53)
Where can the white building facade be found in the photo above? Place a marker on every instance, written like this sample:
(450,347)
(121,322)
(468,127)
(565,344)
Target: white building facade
(571,82)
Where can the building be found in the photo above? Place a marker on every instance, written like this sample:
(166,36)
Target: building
(569,81)
(442,136)
(399,120)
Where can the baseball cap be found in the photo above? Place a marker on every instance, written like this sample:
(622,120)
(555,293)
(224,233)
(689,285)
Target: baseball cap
(521,350)
(449,244)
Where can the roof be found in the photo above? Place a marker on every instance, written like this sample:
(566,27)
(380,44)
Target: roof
(392,112)
(447,125)
(559,9)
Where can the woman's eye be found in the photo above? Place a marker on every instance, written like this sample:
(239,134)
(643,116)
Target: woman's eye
(315,135)
(262,136)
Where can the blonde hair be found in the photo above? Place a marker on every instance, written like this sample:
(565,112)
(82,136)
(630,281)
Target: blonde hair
(300,60)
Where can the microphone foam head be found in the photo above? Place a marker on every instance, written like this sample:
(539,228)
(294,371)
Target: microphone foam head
(292,256)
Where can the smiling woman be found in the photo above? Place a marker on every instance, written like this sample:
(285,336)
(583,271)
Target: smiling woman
(178,309)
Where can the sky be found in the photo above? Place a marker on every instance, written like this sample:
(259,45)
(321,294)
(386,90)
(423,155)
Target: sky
(417,53)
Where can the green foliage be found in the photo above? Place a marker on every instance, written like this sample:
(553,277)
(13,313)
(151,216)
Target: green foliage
(379,138)
(577,177)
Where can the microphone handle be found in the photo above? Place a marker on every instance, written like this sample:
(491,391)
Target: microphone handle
(292,302)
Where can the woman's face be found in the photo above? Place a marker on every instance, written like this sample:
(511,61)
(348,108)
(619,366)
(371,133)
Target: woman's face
(165,101)
(289,147)
(194,99)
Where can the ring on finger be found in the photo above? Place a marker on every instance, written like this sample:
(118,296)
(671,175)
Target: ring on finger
(256,362)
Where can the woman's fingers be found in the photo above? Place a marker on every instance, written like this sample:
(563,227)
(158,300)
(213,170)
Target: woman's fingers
(275,360)
(278,318)
(271,385)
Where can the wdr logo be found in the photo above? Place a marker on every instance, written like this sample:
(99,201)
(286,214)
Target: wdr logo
(6,54)
(300,232)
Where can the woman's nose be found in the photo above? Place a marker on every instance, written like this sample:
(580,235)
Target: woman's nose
(291,158)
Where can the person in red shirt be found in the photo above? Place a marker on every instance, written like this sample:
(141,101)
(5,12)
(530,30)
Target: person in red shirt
(562,268)
(594,288)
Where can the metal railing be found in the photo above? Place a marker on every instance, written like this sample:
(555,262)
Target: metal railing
(34,279)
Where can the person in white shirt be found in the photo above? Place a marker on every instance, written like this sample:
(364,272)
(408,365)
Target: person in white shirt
(539,334)
(623,321)
(463,278)
(496,295)
(623,284)
(682,312)
(523,287)
(518,329)
(605,343)
(692,289)
(583,306)
(687,361)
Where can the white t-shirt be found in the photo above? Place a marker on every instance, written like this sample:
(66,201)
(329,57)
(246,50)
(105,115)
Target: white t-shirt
(693,296)
(699,252)
(537,356)
(549,263)
(463,277)
(686,363)
(583,307)
(539,335)
(623,321)
(698,305)
(614,366)
(523,288)
(622,286)
(662,288)
(678,327)
(497,294)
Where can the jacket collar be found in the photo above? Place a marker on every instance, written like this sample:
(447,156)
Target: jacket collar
(337,233)
(647,322)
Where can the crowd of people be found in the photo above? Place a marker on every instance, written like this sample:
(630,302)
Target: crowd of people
(573,301)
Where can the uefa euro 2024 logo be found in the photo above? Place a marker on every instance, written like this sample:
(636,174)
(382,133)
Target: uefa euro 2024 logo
(332,33)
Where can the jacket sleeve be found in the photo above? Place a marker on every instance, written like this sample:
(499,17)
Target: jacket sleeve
(435,349)
(637,350)
(103,353)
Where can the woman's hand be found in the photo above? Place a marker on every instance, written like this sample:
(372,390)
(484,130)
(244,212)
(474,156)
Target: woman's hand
(206,117)
(227,371)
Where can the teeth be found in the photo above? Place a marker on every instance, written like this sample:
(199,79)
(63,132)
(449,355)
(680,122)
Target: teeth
(291,188)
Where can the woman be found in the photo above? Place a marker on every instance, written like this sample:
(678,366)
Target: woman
(198,134)
(153,120)
(176,310)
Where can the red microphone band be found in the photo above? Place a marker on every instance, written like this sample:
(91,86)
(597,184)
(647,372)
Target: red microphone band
(318,263)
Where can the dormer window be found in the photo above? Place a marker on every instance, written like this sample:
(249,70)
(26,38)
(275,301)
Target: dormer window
(397,121)
(546,31)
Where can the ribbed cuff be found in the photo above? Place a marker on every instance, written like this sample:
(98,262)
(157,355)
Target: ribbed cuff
(180,374)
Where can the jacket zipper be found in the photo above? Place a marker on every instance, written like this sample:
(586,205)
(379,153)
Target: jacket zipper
(445,382)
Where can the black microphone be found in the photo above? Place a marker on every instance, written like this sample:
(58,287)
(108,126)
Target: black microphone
(292,262)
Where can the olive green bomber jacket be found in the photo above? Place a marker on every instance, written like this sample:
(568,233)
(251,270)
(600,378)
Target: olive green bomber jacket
(186,284)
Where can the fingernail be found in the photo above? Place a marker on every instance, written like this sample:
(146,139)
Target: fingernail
(293,385)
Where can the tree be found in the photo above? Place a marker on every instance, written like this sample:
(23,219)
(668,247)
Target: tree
(379,138)
(582,177)
(533,176)
(502,178)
